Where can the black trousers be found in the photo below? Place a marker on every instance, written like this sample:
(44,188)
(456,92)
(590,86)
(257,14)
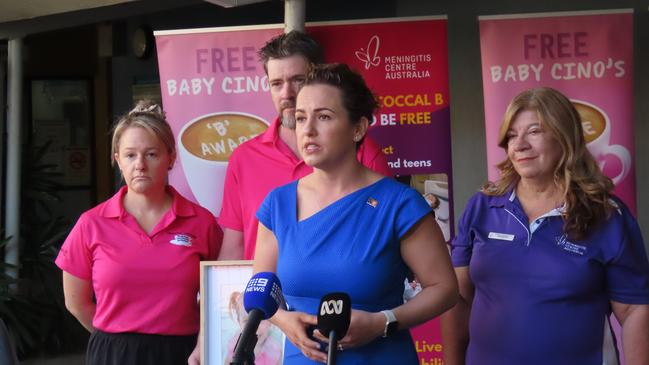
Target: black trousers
(138,349)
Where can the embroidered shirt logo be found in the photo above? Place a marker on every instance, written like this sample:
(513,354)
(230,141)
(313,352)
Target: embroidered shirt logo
(562,241)
(181,240)
(372,202)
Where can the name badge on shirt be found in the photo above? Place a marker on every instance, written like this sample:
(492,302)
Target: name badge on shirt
(501,236)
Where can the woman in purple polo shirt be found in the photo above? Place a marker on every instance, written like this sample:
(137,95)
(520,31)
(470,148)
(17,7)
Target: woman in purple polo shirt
(544,254)
(131,264)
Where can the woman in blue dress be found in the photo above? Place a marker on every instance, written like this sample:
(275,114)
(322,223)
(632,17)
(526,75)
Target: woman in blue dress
(345,228)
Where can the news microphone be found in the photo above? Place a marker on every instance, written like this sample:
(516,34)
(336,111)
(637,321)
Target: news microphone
(334,315)
(261,299)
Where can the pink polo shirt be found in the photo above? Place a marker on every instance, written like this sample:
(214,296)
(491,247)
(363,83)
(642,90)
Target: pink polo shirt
(262,164)
(143,283)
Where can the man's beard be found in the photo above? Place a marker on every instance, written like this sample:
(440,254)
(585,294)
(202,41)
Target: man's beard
(288,121)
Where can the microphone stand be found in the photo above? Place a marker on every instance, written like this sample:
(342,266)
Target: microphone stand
(331,353)
(244,350)
(246,355)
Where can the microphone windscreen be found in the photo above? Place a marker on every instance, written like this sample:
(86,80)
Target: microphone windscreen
(264,293)
(334,314)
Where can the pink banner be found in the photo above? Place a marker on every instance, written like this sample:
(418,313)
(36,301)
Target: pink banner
(587,56)
(215,94)
(410,78)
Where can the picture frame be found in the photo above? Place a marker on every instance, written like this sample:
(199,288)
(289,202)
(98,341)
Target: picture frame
(222,315)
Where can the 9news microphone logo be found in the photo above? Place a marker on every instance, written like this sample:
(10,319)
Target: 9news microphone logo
(257,285)
(331,307)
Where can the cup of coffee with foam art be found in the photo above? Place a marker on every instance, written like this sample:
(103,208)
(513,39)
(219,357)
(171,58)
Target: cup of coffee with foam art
(205,145)
(597,133)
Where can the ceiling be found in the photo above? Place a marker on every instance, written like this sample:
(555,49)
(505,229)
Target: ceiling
(20,18)
(14,10)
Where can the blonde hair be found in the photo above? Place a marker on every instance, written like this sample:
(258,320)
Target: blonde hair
(585,189)
(148,115)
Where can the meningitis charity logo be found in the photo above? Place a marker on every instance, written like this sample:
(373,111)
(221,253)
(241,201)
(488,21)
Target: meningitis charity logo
(370,56)
(181,240)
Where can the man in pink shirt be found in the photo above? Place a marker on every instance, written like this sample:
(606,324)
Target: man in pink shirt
(272,159)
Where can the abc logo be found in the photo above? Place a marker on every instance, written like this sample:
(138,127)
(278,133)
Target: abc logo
(331,307)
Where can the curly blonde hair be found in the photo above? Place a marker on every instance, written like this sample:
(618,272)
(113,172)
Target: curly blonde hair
(585,189)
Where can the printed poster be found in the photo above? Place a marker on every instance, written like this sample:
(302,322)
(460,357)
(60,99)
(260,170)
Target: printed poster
(215,93)
(588,56)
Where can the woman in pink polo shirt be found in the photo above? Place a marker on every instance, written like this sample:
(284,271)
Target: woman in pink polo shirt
(131,264)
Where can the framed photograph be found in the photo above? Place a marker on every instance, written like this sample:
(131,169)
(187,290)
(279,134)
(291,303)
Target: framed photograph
(223,315)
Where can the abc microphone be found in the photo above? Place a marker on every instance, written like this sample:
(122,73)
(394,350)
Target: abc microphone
(261,299)
(333,320)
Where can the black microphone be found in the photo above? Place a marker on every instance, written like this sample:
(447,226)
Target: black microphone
(261,299)
(333,320)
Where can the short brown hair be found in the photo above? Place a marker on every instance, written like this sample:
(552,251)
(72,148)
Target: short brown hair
(289,44)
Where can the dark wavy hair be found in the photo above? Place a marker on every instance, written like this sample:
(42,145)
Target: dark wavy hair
(586,190)
(289,44)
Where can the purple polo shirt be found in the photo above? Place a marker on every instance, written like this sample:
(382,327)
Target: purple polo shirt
(541,298)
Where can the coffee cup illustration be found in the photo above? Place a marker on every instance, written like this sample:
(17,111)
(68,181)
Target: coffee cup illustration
(597,133)
(206,143)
